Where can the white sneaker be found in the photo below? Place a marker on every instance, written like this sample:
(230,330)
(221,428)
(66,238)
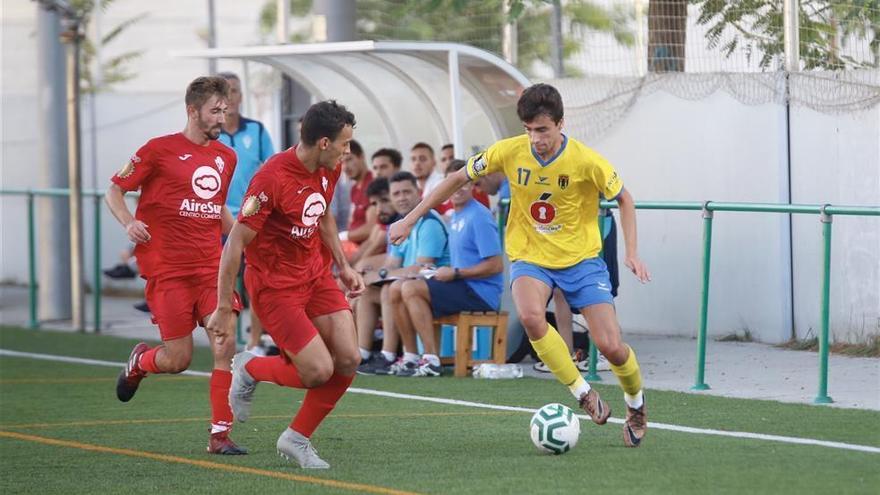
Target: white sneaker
(602,364)
(292,445)
(256,350)
(241,391)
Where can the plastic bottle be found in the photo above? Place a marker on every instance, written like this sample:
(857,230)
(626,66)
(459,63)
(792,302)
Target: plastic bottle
(497,371)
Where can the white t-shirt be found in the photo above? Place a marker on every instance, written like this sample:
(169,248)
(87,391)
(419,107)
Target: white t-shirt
(432,182)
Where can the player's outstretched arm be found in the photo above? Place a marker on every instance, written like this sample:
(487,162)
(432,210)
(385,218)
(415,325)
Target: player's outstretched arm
(399,230)
(628,223)
(222,322)
(136,230)
(353,280)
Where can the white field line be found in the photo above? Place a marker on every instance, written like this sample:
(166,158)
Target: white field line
(463,403)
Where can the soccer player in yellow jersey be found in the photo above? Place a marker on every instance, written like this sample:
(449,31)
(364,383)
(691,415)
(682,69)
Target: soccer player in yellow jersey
(553,240)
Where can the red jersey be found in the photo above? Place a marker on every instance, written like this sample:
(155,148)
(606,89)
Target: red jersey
(284,205)
(183,188)
(359,201)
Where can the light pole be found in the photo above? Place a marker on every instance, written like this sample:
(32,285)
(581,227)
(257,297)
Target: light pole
(71,36)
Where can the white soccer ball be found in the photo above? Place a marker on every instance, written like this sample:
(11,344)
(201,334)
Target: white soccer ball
(555,429)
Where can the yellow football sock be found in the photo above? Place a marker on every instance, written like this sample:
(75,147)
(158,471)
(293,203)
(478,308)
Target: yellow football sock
(553,351)
(628,374)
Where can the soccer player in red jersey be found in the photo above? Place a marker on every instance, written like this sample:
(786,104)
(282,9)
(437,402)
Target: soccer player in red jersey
(284,226)
(176,229)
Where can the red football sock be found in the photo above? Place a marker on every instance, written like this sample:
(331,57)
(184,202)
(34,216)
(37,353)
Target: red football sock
(274,369)
(147,361)
(318,403)
(221,413)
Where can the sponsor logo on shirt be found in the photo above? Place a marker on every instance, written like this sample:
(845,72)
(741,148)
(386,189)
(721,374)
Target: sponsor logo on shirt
(612,181)
(542,181)
(206,182)
(199,209)
(313,209)
(543,212)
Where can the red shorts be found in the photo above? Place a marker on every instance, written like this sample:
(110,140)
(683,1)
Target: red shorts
(179,304)
(286,313)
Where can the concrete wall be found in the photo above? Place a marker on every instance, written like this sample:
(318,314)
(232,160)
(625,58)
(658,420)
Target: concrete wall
(718,149)
(666,148)
(836,159)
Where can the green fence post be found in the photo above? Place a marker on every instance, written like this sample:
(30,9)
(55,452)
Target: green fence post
(822,397)
(592,375)
(96,293)
(700,383)
(32,261)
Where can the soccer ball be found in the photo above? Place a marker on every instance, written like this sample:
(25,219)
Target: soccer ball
(555,429)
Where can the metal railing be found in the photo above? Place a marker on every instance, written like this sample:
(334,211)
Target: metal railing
(30,195)
(825,212)
(708,208)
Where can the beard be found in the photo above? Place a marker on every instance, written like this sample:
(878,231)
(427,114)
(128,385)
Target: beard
(211,132)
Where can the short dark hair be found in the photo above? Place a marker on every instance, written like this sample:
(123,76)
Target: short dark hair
(424,146)
(540,99)
(356,148)
(447,146)
(203,88)
(455,165)
(392,154)
(228,75)
(377,188)
(403,176)
(324,119)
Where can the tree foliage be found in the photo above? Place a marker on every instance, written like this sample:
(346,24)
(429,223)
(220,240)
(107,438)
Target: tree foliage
(477,23)
(113,70)
(825,27)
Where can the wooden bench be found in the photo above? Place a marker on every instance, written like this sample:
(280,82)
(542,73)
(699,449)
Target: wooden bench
(464,337)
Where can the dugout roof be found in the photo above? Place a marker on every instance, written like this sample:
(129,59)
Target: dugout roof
(402,92)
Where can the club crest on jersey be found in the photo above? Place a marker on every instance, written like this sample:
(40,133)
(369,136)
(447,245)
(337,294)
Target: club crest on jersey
(247,141)
(205,182)
(126,171)
(325,182)
(251,206)
(563,181)
(220,164)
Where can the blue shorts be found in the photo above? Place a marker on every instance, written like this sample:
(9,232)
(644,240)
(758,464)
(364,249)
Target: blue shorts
(584,284)
(450,298)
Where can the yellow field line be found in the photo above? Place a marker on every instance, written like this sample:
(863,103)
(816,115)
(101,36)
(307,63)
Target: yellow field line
(110,422)
(344,485)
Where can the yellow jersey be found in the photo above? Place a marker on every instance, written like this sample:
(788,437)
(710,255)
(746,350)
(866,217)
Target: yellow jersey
(554,207)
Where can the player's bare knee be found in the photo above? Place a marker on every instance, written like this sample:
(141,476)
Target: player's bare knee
(533,321)
(616,352)
(179,363)
(347,363)
(316,375)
